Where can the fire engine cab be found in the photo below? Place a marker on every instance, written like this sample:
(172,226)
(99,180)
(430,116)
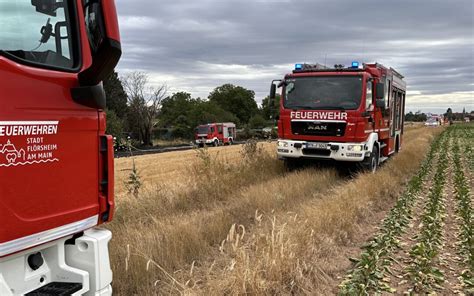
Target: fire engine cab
(352,114)
(215,134)
(56,162)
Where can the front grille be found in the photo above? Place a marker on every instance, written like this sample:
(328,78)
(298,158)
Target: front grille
(315,128)
(317,152)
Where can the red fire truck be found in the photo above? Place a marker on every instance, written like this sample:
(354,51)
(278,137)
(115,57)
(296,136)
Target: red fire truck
(215,134)
(56,163)
(352,114)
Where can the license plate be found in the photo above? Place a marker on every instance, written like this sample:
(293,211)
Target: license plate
(317,145)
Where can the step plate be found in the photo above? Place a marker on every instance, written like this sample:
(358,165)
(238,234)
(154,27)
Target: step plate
(56,289)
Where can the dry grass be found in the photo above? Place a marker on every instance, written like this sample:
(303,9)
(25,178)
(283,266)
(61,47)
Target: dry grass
(289,233)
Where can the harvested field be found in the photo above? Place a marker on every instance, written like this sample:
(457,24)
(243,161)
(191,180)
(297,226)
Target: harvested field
(231,220)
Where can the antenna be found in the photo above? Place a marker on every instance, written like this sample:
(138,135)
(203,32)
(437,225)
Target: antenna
(325,58)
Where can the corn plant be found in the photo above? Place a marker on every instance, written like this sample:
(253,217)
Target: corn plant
(465,212)
(369,271)
(423,272)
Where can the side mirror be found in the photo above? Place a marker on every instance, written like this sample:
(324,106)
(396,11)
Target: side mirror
(104,39)
(48,7)
(379,91)
(380,103)
(272,93)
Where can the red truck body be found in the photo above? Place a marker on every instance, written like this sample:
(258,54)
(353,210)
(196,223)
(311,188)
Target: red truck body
(56,163)
(346,107)
(215,134)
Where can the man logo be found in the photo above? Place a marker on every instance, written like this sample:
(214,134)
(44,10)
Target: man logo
(317,127)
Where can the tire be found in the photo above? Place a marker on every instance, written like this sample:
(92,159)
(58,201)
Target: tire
(231,141)
(397,145)
(372,162)
(216,143)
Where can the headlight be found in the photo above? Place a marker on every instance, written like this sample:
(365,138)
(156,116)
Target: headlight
(282,144)
(355,148)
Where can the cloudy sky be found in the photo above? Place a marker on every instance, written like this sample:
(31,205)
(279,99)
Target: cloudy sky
(194,46)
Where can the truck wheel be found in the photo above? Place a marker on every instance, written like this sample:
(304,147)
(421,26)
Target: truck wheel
(231,142)
(371,163)
(216,143)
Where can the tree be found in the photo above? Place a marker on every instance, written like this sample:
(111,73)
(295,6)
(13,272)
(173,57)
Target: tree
(116,96)
(449,114)
(270,111)
(417,117)
(182,114)
(114,124)
(206,112)
(179,105)
(257,121)
(236,100)
(144,104)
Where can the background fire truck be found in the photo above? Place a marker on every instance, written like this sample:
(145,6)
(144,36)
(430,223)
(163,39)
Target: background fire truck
(215,134)
(350,114)
(57,181)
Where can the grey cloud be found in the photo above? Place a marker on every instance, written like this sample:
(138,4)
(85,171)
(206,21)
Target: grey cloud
(430,42)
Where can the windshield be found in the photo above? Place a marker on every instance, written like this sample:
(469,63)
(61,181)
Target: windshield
(37,31)
(203,129)
(323,92)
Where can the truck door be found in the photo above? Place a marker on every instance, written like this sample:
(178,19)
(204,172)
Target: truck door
(369,106)
(382,115)
(393,112)
(49,144)
(220,133)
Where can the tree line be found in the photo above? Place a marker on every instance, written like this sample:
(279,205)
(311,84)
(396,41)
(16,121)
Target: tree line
(145,112)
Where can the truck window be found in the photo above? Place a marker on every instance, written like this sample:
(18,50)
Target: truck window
(368,95)
(323,92)
(219,129)
(38,38)
(202,129)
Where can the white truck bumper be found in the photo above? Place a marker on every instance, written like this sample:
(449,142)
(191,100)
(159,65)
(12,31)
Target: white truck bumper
(84,261)
(354,152)
(205,141)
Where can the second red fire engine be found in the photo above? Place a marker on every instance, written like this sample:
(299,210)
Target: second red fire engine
(350,114)
(215,134)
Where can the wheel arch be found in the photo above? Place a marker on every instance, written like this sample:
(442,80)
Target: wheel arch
(372,140)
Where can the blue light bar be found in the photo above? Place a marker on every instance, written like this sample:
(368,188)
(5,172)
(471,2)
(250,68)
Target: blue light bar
(355,64)
(298,66)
